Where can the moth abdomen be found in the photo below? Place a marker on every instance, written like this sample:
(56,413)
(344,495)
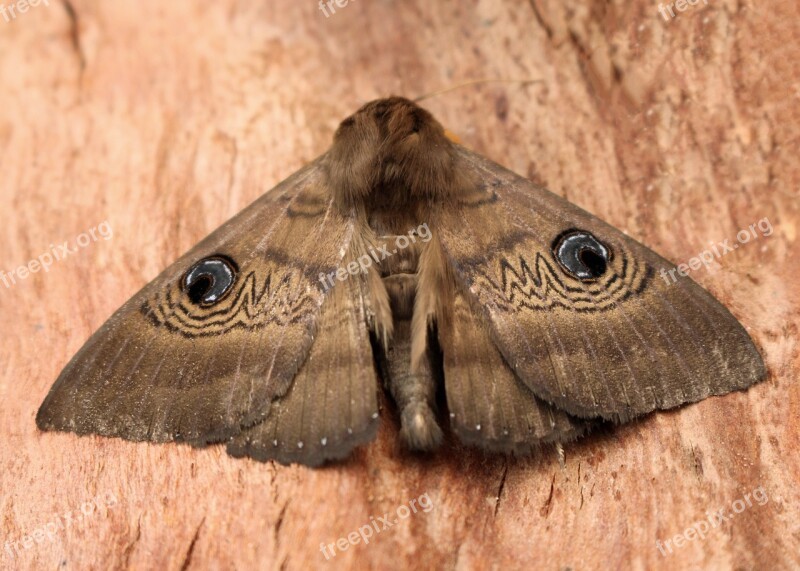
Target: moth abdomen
(414,392)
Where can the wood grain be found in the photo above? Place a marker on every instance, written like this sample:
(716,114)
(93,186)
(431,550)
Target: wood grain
(166,118)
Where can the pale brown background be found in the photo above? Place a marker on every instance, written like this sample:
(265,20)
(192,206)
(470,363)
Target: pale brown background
(166,118)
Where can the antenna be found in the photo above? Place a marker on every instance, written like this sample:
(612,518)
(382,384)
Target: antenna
(475,82)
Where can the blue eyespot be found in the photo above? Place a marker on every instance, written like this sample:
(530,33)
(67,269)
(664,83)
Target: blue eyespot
(209,280)
(581,255)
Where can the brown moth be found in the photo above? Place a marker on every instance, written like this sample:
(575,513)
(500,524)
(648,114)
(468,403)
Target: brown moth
(400,248)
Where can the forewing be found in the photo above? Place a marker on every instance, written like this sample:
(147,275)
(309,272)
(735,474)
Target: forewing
(332,405)
(617,347)
(164,368)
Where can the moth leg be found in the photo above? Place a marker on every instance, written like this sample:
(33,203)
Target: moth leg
(434,290)
(378,307)
(412,388)
(379,313)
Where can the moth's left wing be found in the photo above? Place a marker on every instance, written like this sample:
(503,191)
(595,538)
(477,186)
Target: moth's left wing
(174,364)
(332,405)
(581,312)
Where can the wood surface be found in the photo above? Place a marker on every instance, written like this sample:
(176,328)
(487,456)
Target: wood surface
(164,119)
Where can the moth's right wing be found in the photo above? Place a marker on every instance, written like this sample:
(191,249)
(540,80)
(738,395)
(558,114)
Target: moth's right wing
(617,344)
(489,406)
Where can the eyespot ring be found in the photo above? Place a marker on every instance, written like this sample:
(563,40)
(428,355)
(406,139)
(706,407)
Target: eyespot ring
(581,255)
(208,281)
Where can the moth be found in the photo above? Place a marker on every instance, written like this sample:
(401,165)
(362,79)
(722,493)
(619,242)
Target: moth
(482,302)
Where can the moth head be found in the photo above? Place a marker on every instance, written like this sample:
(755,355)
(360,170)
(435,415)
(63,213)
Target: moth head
(391,150)
(209,280)
(581,255)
